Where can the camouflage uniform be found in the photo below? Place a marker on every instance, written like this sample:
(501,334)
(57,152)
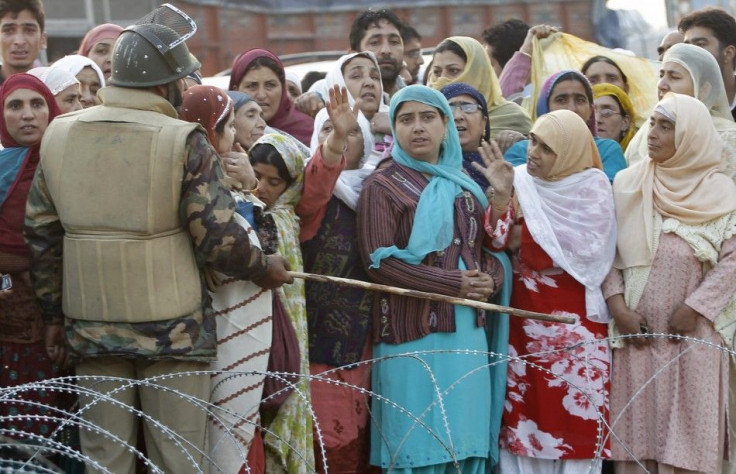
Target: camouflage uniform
(206,209)
(168,355)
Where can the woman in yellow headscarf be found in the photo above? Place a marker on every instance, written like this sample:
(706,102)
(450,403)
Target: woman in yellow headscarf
(614,113)
(463,59)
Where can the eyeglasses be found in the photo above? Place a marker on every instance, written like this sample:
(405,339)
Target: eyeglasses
(605,113)
(464,107)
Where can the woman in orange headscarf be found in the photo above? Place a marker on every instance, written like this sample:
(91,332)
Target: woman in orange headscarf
(562,235)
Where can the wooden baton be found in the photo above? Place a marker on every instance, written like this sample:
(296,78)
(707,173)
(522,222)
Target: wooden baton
(521,313)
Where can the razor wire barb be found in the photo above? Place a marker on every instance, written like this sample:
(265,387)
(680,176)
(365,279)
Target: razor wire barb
(28,452)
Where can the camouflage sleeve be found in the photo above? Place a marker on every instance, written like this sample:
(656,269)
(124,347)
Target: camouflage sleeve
(44,236)
(207,209)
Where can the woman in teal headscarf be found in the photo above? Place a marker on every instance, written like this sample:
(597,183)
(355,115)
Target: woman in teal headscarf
(420,226)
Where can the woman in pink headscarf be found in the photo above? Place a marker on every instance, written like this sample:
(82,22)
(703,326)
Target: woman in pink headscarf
(27,108)
(97,45)
(259,72)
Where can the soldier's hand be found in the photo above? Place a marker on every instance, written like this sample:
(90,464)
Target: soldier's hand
(55,342)
(277,273)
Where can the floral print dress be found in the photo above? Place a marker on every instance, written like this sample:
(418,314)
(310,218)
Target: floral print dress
(558,388)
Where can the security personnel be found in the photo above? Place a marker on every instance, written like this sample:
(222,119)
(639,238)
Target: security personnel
(126,212)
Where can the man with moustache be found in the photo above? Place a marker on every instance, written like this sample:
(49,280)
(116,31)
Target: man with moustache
(379,31)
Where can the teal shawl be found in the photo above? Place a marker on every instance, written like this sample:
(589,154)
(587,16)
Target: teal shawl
(433,229)
(11,161)
(434,220)
(497,326)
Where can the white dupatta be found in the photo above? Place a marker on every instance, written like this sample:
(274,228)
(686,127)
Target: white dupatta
(574,221)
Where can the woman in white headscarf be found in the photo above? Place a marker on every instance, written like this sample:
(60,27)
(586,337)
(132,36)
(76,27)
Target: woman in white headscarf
(359,73)
(691,70)
(674,273)
(339,322)
(90,76)
(363,81)
(62,84)
(293,84)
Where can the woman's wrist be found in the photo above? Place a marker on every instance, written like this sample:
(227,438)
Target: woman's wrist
(330,146)
(490,192)
(494,193)
(618,308)
(500,202)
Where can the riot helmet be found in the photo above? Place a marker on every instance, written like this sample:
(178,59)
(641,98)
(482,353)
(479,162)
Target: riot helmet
(153,51)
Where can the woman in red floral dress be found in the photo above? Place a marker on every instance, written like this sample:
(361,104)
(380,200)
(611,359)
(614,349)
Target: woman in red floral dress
(561,230)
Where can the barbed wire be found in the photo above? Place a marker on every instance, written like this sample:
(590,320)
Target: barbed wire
(25,451)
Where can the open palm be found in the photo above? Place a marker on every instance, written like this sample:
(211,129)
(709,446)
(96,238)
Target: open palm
(344,118)
(498,172)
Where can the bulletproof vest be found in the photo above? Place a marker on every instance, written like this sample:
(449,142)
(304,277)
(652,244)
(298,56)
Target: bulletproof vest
(115,177)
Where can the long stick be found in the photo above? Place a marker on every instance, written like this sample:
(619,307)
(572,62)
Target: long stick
(433,297)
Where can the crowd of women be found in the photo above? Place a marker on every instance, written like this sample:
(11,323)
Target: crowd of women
(622,220)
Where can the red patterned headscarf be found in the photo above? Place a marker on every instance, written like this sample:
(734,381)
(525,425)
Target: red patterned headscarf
(207,106)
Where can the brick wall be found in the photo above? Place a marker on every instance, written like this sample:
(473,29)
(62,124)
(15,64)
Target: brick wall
(224,32)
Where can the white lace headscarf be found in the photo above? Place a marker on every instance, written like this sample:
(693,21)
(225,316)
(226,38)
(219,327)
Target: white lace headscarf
(56,79)
(75,63)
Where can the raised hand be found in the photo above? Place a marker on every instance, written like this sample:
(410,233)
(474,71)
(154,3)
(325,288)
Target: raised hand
(344,118)
(506,138)
(498,172)
(539,32)
(237,166)
(380,123)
